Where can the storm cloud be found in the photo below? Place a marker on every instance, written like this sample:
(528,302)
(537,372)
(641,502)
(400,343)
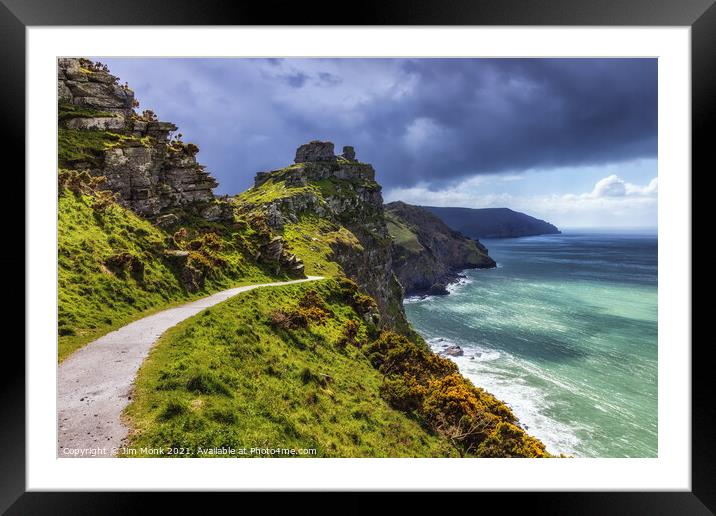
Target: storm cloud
(433,122)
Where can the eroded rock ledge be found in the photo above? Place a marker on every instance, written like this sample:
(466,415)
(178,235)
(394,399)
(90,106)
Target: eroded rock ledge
(151,171)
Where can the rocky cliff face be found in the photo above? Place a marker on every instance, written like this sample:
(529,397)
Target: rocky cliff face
(151,172)
(428,254)
(344,195)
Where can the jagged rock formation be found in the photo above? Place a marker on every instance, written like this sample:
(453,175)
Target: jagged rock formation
(428,254)
(349,153)
(99,131)
(344,192)
(275,254)
(492,222)
(315,151)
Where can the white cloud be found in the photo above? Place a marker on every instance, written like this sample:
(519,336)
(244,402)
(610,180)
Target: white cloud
(614,186)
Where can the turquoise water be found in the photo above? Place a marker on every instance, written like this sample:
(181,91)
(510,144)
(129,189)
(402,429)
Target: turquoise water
(565,331)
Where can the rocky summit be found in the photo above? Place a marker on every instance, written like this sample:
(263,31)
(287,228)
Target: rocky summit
(150,171)
(315,151)
(342,192)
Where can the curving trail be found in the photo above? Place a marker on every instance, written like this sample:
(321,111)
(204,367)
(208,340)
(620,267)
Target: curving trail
(95,382)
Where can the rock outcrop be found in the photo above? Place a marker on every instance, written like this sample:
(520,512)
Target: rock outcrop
(344,192)
(274,253)
(349,153)
(427,253)
(315,151)
(151,172)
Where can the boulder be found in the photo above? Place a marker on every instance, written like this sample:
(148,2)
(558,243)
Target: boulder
(271,252)
(453,351)
(192,278)
(315,151)
(167,221)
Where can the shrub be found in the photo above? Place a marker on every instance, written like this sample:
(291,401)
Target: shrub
(312,314)
(507,440)
(348,334)
(123,262)
(102,200)
(312,299)
(420,382)
(392,353)
(79,181)
(180,236)
(148,115)
(364,303)
(311,309)
(403,392)
(280,319)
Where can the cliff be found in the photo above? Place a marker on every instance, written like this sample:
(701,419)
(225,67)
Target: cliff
(427,253)
(492,222)
(328,210)
(151,170)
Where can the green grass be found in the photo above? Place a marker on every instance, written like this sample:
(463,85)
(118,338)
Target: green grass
(86,146)
(95,298)
(269,191)
(402,235)
(229,377)
(311,238)
(66,111)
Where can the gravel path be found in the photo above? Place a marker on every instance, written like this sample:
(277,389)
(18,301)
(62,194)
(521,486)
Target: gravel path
(95,382)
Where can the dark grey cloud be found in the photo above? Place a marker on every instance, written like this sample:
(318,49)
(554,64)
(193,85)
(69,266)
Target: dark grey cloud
(417,120)
(295,80)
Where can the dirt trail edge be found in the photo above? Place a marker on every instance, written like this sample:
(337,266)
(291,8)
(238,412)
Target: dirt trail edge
(95,382)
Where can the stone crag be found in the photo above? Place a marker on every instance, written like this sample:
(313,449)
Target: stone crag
(428,254)
(150,172)
(344,191)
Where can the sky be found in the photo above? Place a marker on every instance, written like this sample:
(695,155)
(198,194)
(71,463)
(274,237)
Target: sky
(570,141)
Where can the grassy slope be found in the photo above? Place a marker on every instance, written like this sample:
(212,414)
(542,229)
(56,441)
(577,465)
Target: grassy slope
(94,298)
(403,235)
(228,377)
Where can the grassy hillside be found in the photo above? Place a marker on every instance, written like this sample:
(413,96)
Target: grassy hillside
(239,375)
(114,266)
(299,367)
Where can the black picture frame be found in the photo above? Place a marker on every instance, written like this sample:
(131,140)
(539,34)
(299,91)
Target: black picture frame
(700,15)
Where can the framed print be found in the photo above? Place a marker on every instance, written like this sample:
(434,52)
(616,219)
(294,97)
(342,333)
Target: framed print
(426,248)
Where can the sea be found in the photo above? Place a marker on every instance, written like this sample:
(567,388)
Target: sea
(564,330)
